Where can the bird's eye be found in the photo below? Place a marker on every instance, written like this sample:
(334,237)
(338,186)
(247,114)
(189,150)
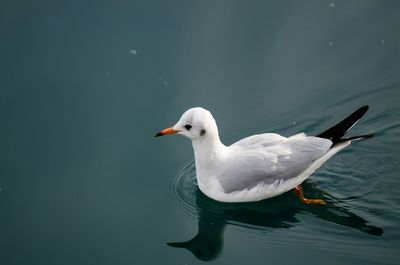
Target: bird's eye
(188,127)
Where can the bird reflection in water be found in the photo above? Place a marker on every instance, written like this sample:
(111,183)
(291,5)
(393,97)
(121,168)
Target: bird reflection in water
(277,212)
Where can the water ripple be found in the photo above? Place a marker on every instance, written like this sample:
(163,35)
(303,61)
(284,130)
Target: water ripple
(277,212)
(267,223)
(184,187)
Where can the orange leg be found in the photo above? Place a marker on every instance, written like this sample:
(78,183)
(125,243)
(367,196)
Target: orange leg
(299,192)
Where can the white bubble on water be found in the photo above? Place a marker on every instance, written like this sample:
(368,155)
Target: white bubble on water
(163,81)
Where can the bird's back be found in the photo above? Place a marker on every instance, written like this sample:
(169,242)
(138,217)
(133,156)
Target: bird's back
(269,158)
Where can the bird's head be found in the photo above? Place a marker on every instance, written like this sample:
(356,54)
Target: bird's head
(195,124)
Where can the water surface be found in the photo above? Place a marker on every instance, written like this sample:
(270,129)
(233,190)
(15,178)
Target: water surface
(85,85)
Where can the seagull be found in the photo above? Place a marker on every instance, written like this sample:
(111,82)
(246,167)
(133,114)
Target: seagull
(260,166)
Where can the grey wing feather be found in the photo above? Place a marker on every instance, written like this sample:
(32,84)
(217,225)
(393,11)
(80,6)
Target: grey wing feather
(260,140)
(273,163)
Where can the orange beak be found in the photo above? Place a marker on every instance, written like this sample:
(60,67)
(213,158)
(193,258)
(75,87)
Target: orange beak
(166,131)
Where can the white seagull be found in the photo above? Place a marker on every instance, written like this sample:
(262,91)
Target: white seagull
(259,166)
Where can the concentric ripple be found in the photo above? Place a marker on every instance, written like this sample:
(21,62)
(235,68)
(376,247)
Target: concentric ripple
(184,188)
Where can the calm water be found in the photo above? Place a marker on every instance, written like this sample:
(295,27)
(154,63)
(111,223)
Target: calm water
(84,85)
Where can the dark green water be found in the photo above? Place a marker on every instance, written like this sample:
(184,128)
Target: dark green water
(85,85)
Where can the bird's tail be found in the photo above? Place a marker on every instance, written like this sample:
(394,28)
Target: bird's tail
(336,133)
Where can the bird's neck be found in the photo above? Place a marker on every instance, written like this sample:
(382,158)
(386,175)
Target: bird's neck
(208,152)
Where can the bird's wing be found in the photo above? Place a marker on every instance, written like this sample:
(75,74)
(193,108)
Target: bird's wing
(271,164)
(260,141)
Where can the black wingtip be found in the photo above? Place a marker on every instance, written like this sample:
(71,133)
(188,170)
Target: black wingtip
(356,115)
(336,132)
(363,109)
(355,138)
